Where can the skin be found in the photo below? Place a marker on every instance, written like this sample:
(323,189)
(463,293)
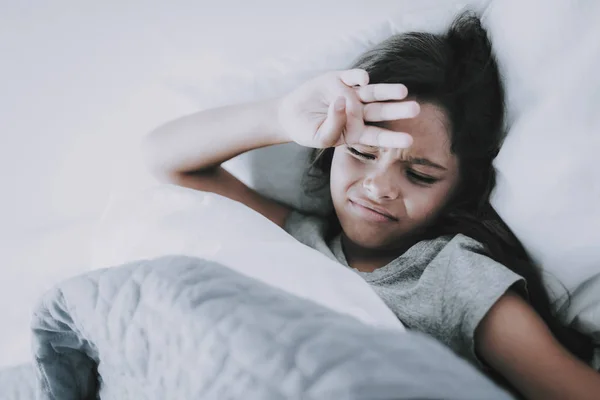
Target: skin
(400,181)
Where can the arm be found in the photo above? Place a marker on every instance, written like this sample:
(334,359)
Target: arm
(514,341)
(181,151)
(220,181)
(208,138)
(190,150)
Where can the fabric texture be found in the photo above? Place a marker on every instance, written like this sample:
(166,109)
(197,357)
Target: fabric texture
(442,287)
(179,327)
(169,219)
(17,383)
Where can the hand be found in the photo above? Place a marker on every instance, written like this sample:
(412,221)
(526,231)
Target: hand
(332,109)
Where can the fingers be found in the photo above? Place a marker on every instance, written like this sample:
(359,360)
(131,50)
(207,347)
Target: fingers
(382,92)
(379,137)
(355,77)
(377,112)
(331,129)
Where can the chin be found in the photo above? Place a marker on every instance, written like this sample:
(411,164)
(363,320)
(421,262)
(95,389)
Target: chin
(369,239)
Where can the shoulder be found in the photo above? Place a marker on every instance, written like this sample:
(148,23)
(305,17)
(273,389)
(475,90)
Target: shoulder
(297,220)
(443,249)
(469,284)
(457,242)
(468,262)
(463,243)
(461,247)
(306,228)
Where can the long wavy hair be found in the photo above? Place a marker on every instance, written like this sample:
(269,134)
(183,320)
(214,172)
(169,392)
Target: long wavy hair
(457,72)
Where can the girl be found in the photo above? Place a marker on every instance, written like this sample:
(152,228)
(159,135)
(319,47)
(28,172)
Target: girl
(406,140)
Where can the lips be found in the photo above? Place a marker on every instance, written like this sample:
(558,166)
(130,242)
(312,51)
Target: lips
(372,212)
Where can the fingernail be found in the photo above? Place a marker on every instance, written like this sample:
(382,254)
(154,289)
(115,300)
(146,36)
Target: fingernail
(365,80)
(416,109)
(340,104)
(403,91)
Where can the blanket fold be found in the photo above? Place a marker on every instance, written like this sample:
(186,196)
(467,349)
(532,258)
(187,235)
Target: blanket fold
(178,327)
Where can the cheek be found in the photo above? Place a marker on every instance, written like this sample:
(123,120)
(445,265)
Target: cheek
(344,172)
(423,203)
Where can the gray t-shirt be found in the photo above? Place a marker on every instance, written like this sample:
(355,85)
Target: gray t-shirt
(442,287)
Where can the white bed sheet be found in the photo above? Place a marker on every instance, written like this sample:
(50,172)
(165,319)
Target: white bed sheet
(31,265)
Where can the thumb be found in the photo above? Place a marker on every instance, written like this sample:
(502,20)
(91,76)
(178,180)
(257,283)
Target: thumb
(331,129)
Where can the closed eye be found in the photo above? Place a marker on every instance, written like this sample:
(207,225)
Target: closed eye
(358,154)
(420,179)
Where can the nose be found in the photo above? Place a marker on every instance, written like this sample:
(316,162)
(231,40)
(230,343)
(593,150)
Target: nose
(381,185)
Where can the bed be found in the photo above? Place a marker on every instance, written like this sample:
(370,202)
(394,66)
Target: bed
(75,124)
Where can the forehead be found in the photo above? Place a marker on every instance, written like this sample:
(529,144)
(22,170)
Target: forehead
(430,132)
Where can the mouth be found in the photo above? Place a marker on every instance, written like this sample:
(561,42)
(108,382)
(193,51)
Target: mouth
(370,212)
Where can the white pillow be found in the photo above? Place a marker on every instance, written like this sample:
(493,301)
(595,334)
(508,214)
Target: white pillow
(548,187)
(549,176)
(168,219)
(207,81)
(278,171)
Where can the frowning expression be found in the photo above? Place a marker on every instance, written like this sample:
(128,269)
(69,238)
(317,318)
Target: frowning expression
(382,196)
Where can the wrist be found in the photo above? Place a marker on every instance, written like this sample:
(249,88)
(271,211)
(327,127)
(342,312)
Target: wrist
(273,127)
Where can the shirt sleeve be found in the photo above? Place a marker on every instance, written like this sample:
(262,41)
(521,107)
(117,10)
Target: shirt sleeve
(472,284)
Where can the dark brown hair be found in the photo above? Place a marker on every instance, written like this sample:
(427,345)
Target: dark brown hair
(457,72)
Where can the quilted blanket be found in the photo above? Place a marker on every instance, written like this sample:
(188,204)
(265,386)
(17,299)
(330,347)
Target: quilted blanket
(180,327)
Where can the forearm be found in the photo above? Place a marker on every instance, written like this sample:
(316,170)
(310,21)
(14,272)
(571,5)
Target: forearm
(566,378)
(515,341)
(208,138)
(555,377)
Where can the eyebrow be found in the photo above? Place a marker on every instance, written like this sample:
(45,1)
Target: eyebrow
(426,162)
(415,160)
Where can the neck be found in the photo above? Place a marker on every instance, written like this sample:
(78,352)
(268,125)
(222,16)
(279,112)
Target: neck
(368,260)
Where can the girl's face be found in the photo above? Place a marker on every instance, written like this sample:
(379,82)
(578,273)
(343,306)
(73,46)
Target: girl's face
(382,196)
